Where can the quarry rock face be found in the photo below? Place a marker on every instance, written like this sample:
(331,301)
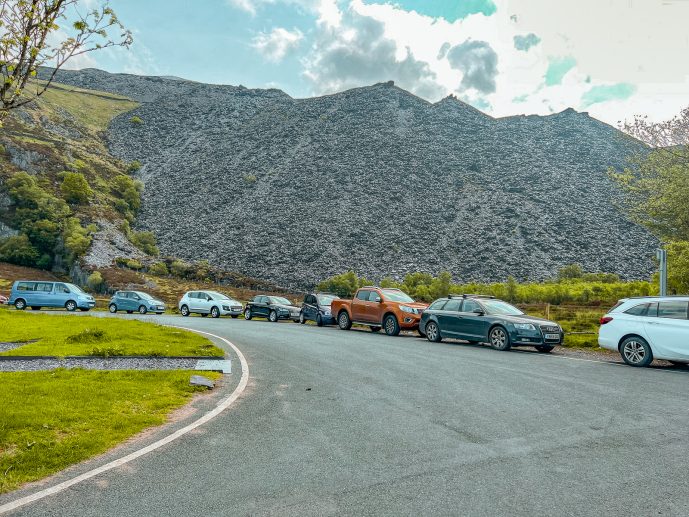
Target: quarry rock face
(372,179)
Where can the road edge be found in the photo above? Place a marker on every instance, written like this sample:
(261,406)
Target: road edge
(208,416)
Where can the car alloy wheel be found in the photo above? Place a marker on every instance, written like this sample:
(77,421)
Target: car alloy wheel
(391,326)
(247,314)
(112,308)
(20,305)
(143,310)
(636,352)
(215,312)
(71,306)
(499,339)
(302,318)
(185,310)
(273,316)
(432,332)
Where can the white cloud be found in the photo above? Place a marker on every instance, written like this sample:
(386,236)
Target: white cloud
(275,45)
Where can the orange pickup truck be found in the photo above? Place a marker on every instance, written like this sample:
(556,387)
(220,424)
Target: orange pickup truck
(390,309)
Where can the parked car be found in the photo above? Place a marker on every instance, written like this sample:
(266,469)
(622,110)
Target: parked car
(390,309)
(647,328)
(209,302)
(131,301)
(485,319)
(272,307)
(26,293)
(317,307)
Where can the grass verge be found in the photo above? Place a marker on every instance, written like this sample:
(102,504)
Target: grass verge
(50,420)
(62,335)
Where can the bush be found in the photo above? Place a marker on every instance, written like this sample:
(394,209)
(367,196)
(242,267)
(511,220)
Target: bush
(134,264)
(159,269)
(128,190)
(77,238)
(95,281)
(145,241)
(180,269)
(136,120)
(18,250)
(134,166)
(250,178)
(75,189)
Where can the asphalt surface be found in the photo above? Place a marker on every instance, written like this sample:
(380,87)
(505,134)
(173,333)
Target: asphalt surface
(348,423)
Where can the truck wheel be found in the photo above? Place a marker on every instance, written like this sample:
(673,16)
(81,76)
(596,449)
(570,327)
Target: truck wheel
(392,327)
(343,321)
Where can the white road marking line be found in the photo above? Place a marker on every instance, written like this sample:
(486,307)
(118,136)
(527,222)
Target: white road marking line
(222,406)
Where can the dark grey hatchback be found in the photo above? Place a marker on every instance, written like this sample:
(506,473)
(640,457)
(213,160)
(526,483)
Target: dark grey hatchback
(484,319)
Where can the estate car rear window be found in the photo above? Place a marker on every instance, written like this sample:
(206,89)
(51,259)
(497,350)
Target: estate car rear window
(638,310)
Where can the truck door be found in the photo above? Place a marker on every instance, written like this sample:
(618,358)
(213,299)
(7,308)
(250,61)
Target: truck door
(360,305)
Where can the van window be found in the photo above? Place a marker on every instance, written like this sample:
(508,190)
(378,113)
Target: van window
(44,287)
(61,288)
(26,286)
(675,310)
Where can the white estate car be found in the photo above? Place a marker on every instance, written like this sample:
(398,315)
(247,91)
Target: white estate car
(643,329)
(209,302)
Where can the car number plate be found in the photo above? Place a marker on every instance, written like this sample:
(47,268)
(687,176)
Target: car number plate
(552,336)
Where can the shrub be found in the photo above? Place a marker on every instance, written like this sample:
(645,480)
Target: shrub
(159,269)
(180,269)
(95,281)
(136,120)
(18,250)
(250,178)
(128,190)
(77,238)
(75,189)
(42,233)
(134,166)
(134,264)
(145,241)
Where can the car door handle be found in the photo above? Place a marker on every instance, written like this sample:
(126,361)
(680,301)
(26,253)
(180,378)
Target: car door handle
(653,323)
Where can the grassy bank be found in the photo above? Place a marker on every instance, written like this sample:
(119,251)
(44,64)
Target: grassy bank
(62,335)
(50,420)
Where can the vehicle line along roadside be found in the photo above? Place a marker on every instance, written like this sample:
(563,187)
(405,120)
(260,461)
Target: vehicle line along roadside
(221,406)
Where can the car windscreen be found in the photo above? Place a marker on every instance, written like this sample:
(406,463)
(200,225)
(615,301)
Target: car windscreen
(145,296)
(325,299)
(397,296)
(75,289)
(218,296)
(280,300)
(500,307)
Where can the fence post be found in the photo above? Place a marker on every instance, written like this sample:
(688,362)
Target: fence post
(547,311)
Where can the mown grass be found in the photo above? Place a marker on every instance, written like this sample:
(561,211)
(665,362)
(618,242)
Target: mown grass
(50,420)
(62,335)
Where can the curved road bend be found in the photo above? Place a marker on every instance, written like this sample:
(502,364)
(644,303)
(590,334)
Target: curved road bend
(340,422)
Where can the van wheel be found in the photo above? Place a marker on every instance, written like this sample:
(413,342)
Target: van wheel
(343,321)
(247,314)
(215,312)
(302,318)
(112,308)
(143,309)
(273,317)
(392,327)
(636,352)
(20,304)
(433,332)
(499,339)
(34,308)
(71,306)
(184,310)
(319,321)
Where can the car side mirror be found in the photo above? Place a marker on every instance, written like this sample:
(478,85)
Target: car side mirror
(478,312)
(208,298)
(268,302)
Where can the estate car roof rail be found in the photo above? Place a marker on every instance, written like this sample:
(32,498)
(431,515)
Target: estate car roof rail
(450,296)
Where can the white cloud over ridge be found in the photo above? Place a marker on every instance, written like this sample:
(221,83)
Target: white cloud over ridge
(275,45)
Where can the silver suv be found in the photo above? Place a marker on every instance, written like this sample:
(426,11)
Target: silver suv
(209,302)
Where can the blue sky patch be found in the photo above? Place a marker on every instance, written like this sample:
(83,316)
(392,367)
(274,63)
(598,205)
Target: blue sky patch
(524,42)
(451,10)
(557,69)
(605,93)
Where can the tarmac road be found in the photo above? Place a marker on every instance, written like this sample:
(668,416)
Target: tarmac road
(338,422)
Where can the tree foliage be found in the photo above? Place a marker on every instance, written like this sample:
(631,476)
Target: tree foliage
(18,250)
(75,189)
(37,33)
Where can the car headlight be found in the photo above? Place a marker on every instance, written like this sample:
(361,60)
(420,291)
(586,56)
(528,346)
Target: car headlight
(326,312)
(524,326)
(409,309)
(226,307)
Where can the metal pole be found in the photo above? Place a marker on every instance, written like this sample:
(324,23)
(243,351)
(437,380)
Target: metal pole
(661,254)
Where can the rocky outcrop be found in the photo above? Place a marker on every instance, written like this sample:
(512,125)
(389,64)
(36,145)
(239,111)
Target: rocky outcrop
(108,244)
(372,179)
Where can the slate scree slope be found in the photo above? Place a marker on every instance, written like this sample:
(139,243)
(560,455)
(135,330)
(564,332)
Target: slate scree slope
(372,179)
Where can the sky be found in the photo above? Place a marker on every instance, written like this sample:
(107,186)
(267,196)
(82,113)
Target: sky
(612,58)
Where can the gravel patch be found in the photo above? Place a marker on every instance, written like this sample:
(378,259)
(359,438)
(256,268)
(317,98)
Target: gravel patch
(97,363)
(6,347)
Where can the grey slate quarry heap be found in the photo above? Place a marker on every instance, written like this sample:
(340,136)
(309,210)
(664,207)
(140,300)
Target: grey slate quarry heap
(372,179)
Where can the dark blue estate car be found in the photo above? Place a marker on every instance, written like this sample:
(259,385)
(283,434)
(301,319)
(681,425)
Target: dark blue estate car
(484,319)
(316,307)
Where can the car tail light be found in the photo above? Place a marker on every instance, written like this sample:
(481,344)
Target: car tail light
(605,319)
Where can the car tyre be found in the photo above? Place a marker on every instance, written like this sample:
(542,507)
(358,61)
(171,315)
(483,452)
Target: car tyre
(302,318)
(499,339)
(215,312)
(319,320)
(71,306)
(184,310)
(247,314)
(545,349)
(20,304)
(636,351)
(344,321)
(112,308)
(273,317)
(143,309)
(391,325)
(433,332)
